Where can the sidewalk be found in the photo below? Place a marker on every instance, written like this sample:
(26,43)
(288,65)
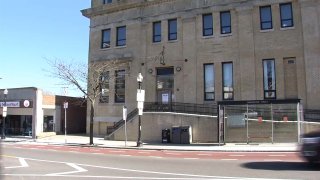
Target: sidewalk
(77,140)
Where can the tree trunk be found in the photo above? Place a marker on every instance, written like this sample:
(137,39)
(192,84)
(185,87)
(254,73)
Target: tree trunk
(91,122)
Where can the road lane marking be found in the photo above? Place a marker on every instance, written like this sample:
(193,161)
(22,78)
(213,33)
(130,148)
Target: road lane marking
(22,162)
(272,160)
(158,157)
(78,170)
(191,158)
(77,166)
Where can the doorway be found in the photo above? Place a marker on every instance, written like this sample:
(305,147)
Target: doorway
(165,85)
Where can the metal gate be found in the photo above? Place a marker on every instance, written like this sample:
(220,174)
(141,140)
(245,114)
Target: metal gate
(266,121)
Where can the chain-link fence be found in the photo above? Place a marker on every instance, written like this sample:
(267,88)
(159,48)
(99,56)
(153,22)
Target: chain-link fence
(260,122)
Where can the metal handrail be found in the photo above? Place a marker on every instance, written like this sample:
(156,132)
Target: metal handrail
(120,123)
(188,108)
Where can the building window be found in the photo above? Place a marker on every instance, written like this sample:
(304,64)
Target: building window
(225,22)
(172,29)
(207,25)
(121,36)
(227,80)
(107,1)
(265,18)
(120,86)
(286,15)
(208,82)
(156,37)
(269,79)
(104,87)
(105,38)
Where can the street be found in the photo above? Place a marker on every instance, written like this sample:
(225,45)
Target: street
(74,162)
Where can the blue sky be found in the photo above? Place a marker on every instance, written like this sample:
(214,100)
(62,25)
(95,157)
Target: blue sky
(33,30)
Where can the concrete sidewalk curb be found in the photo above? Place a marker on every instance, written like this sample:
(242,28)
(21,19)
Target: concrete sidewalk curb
(100,143)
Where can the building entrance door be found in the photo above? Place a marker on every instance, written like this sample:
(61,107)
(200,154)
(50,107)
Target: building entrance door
(165,85)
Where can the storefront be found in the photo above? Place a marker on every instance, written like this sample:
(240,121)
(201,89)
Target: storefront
(32,113)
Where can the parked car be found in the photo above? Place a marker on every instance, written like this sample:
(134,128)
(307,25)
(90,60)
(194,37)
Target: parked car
(310,148)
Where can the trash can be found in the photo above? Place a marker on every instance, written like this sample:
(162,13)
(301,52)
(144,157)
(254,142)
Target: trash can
(165,135)
(186,135)
(176,135)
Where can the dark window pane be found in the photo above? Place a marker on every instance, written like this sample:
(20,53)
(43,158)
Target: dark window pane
(121,36)
(172,35)
(104,87)
(120,86)
(225,22)
(265,17)
(286,15)
(269,79)
(156,31)
(207,25)
(105,38)
(107,1)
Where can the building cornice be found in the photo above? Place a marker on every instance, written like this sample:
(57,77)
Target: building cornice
(107,9)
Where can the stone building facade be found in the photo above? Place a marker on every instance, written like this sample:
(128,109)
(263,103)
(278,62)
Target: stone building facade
(203,51)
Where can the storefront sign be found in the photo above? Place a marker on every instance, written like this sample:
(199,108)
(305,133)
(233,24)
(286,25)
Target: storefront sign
(17,104)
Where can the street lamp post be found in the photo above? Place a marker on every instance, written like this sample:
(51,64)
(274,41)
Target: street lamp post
(140,99)
(4,114)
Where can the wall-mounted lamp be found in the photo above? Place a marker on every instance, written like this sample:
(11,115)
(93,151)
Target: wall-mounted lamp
(178,68)
(150,71)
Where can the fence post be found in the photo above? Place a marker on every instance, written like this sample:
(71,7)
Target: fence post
(298,121)
(271,123)
(247,120)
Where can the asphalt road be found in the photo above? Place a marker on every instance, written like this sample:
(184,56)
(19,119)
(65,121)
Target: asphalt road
(53,162)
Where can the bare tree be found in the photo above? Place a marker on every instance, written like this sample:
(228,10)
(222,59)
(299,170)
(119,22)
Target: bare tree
(87,78)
